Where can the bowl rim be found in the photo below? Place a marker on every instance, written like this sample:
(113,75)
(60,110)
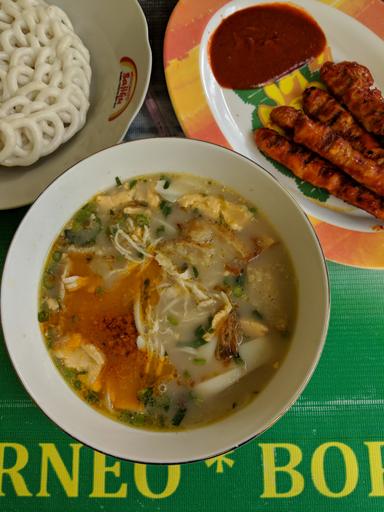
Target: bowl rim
(304,380)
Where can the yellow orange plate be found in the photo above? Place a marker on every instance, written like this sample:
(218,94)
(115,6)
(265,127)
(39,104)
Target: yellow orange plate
(227,117)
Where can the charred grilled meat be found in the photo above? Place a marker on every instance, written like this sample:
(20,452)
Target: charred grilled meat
(321,106)
(308,166)
(352,84)
(324,141)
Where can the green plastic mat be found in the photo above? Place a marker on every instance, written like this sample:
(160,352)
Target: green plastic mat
(325,454)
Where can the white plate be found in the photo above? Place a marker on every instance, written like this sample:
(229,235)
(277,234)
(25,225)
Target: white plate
(111,31)
(27,255)
(349,40)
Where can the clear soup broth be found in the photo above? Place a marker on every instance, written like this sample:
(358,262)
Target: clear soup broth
(168,302)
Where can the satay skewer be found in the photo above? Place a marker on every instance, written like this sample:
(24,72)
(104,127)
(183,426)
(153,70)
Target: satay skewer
(325,142)
(308,166)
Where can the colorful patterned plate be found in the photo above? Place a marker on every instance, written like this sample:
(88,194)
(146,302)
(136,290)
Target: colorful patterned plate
(226,117)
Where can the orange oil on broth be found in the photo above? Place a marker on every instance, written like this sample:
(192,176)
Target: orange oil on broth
(104,317)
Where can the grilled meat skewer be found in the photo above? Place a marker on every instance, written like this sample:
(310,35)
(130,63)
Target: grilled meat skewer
(323,140)
(352,84)
(308,166)
(321,106)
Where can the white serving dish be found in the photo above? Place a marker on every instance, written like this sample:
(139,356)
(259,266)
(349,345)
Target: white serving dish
(40,227)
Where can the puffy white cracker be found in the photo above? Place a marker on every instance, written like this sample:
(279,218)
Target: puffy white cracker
(45,77)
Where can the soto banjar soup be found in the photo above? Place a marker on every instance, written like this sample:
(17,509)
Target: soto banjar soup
(168,302)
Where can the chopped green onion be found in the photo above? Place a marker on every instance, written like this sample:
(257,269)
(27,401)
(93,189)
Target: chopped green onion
(195,272)
(198,342)
(137,418)
(48,281)
(56,256)
(186,375)
(238,291)
(99,290)
(141,220)
(92,397)
(227,281)
(179,416)
(145,396)
(77,384)
(257,314)
(167,182)
(200,331)
(50,336)
(253,210)
(199,361)
(166,208)
(132,183)
(118,181)
(240,279)
(238,360)
(172,320)
(160,230)
(43,316)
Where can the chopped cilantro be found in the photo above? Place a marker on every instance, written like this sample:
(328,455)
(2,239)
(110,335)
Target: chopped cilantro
(132,183)
(118,181)
(253,210)
(195,272)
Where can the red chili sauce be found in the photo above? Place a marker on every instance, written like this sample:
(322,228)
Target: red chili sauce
(259,44)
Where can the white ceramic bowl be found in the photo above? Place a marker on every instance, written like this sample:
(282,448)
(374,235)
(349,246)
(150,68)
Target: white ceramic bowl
(43,222)
(116,35)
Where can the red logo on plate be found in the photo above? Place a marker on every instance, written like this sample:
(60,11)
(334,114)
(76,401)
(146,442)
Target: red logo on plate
(126,89)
